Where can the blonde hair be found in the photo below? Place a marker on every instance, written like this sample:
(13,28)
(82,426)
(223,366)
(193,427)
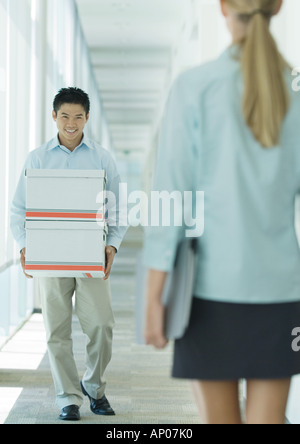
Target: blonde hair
(266,98)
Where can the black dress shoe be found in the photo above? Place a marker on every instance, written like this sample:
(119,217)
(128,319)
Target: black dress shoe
(70,413)
(99,406)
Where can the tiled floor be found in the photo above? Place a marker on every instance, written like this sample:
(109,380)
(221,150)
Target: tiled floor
(139,385)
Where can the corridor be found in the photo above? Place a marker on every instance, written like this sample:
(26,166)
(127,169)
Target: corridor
(126,56)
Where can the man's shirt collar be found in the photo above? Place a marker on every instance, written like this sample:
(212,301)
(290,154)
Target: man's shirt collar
(54,143)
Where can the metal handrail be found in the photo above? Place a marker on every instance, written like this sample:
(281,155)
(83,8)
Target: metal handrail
(8,264)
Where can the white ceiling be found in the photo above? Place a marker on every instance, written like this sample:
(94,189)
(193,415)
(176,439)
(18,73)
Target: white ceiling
(131,44)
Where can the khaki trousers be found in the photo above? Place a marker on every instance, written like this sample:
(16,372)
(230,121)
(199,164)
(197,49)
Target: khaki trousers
(94,311)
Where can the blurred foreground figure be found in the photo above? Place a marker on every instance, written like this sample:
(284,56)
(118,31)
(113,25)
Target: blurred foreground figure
(231,129)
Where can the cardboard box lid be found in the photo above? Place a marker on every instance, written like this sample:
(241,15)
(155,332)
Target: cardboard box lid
(86,174)
(66,225)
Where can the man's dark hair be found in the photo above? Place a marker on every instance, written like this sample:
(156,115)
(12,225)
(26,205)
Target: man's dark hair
(71,95)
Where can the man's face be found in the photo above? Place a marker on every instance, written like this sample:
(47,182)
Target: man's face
(71,120)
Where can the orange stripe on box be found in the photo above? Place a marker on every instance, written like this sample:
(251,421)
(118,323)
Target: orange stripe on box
(66,215)
(63,268)
(89,275)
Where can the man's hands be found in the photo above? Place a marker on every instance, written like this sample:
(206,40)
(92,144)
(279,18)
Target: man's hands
(22,258)
(110,253)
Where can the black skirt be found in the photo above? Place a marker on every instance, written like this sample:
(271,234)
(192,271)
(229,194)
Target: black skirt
(226,341)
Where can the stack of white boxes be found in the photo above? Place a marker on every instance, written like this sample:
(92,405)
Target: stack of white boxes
(65,223)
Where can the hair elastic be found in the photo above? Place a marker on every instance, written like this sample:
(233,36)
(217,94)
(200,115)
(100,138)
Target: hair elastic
(258,11)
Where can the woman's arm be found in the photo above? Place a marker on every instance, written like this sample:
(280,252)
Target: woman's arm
(155,311)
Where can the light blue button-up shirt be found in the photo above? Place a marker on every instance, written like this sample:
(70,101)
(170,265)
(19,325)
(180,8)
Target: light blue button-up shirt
(87,156)
(249,251)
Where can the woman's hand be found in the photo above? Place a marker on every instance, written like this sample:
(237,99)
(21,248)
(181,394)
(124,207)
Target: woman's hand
(155,322)
(155,311)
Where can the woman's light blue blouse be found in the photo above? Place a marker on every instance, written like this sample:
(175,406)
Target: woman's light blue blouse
(249,251)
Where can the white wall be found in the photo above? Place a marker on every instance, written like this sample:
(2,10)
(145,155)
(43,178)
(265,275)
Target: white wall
(285,28)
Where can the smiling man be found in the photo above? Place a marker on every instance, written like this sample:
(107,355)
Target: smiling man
(70,118)
(71,149)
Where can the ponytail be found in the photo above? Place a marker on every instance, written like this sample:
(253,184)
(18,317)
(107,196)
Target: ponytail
(266,98)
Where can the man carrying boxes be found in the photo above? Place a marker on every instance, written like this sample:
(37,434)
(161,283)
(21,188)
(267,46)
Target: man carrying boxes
(58,213)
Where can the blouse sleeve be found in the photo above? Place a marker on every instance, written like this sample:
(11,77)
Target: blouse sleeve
(173,193)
